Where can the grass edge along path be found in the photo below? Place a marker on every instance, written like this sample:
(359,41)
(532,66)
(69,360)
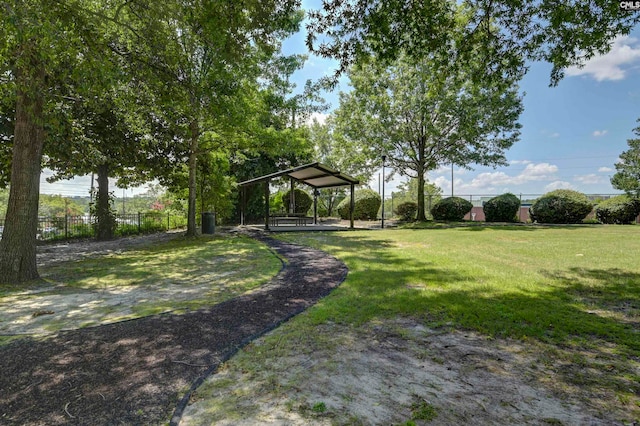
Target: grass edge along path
(134,372)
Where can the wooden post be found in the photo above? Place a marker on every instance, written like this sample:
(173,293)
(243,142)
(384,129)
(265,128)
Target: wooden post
(243,205)
(292,198)
(315,206)
(266,204)
(352,206)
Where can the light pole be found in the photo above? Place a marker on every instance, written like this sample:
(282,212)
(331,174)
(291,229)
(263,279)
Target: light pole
(384,157)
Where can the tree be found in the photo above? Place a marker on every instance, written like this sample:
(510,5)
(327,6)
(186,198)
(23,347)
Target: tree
(408,192)
(334,149)
(102,141)
(562,33)
(44,48)
(627,177)
(425,113)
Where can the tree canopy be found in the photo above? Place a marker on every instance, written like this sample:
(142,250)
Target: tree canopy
(425,113)
(561,33)
(627,176)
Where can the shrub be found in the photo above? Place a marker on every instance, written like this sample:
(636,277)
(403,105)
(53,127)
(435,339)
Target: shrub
(502,208)
(407,210)
(367,203)
(452,209)
(561,206)
(303,201)
(621,209)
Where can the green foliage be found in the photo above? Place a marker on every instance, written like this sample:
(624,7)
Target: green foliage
(627,177)
(618,210)
(366,205)
(420,119)
(407,210)
(561,206)
(506,32)
(502,208)
(57,205)
(451,209)
(303,201)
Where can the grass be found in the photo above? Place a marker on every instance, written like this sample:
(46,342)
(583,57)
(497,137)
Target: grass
(574,291)
(180,261)
(177,275)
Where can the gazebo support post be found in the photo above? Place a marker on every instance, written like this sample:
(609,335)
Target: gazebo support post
(352,206)
(292,198)
(243,205)
(315,206)
(266,204)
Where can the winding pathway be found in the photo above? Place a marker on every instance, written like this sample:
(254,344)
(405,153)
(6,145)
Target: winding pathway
(143,371)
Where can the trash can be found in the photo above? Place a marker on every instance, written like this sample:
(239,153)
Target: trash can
(208,223)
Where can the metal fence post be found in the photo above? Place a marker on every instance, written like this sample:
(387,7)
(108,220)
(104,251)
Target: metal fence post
(168,221)
(66,225)
(139,228)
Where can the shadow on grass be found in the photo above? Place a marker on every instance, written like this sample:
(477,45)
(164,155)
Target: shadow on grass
(587,318)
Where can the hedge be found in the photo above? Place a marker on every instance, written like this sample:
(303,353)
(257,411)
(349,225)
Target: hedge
(561,206)
(367,203)
(618,210)
(451,209)
(502,208)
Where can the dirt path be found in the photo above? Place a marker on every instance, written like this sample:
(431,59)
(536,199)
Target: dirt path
(137,372)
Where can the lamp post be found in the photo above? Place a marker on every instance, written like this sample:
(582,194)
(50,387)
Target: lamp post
(384,157)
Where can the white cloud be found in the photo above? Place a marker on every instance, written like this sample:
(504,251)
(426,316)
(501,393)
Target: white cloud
(624,51)
(319,117)
(590,179)
(493,181)
(554,135)
(598,133)
(558,184)
(519,162)
(605,169)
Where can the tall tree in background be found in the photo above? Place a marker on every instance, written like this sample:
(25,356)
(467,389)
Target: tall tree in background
(425,113)
(334,148)
(627,177)
(99,140)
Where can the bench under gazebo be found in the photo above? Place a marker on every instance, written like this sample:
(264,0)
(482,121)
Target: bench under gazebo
(316,175)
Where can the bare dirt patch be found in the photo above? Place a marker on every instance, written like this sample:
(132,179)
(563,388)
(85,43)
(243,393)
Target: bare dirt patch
(392,373)
(93,283)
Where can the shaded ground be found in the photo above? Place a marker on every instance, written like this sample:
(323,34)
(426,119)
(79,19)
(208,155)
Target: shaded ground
(136,372)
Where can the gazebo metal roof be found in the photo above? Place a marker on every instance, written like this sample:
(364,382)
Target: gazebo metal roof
(316,175)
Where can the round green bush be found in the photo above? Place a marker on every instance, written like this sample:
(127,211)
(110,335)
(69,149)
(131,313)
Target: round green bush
(619,210)
(451,209)
(407,210)
(303,201)
(366,205)
(502,208)
(561,206)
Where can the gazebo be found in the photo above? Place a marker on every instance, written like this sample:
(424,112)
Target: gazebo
(315,175)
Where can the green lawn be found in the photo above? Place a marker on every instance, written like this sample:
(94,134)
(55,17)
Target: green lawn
(176,275)
(574,291)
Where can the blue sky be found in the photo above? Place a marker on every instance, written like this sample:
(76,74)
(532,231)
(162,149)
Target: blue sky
(572,134)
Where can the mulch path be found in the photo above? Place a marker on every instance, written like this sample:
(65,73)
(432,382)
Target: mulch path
(142,371)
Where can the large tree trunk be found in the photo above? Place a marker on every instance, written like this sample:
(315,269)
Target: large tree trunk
(18,244)
(193,152)
(106,221)
(420,214)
